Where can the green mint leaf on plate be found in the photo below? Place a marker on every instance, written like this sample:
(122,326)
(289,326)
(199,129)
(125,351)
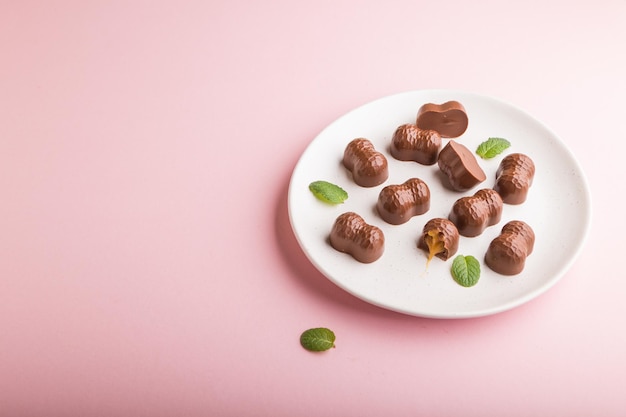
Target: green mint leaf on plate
(328,192)
(492,147)
(317,339)
(465,270)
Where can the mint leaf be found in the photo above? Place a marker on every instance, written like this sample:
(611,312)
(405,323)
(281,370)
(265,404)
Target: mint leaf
(465,270)
(492,147)
(317,339)
(328,192)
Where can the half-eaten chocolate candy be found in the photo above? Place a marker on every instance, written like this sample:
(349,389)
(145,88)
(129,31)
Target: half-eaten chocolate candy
(460,167)
(439,238)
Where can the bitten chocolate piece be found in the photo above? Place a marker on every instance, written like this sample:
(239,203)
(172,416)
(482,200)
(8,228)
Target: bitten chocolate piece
(514,177)
(460,167)
(410,143)
(439,238)
(507,253)
(368,166)
(398,203)
(352,235)
(449,119)
(473,214)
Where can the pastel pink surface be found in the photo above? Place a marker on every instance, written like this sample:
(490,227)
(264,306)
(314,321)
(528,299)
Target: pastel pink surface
(147,264)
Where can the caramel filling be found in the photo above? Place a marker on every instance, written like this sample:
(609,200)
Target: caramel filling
(435,243)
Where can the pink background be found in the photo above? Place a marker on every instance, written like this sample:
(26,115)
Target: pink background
(147,265)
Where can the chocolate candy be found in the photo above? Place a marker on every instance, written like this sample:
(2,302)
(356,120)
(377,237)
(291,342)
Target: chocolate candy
(507,253)
(368,166)
(398,203)
(439,238)
(460,167)
(473,214)
(449,119)
(352,235)
(514,177)
(410,143)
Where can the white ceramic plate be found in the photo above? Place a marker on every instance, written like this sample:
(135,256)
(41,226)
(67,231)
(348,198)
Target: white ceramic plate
(558,208)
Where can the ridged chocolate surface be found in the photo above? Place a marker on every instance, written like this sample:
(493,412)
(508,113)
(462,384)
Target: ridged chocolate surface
(444,231)
(410,143)
(449,119)
(473,214)
(507,253)
(460,167)
(352,235)
(368,166)
(398,203)
(514,177)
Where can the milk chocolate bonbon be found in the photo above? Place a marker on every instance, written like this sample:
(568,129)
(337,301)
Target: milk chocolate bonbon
(507,253)
(514,177)
(439,238)
(410,143)
(473,214)
(352,235)
(398,203)
(369,167)
(460,167)
(449,118)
